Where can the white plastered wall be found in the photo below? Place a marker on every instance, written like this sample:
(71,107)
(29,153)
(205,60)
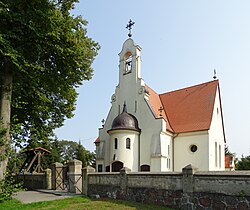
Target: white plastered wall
(183,156)
(216,138)
(129,157)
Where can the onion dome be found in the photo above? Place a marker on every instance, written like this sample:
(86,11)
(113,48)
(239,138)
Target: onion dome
(125,121)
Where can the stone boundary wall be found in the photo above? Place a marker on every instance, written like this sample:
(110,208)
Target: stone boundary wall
(187,190)
(35,180)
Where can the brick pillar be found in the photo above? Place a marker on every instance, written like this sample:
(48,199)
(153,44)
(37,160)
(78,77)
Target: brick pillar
(188,178)
(57,176)
(48,178)
(85,172)
(124,181)
(75,176)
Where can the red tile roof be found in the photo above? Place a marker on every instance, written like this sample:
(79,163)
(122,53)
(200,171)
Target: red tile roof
(97,140)
(187,109)
(228,161)
(157,107)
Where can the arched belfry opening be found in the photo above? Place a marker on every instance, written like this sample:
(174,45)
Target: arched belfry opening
(128,62)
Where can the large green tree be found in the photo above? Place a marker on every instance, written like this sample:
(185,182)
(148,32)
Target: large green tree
(243,163)
(69,150)
(44,55)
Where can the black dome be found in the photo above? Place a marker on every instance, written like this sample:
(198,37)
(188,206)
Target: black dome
(125,121)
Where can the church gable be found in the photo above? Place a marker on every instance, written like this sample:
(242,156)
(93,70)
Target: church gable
(190,109)
(185,110)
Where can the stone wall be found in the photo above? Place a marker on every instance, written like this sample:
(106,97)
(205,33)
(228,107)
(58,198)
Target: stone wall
(35,180)
(186,190)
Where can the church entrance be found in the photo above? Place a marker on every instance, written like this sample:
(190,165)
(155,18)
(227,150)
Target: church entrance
(117,166)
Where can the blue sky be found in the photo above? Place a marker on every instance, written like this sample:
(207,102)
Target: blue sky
(182,43)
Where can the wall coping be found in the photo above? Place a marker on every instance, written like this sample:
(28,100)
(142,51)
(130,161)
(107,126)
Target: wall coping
(139,173)
(223,173)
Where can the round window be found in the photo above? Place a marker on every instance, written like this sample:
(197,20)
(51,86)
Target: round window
(193,148)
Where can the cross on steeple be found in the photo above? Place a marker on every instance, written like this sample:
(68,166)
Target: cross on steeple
(129,27)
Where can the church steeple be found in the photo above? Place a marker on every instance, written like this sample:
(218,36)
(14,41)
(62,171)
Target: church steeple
(130,61)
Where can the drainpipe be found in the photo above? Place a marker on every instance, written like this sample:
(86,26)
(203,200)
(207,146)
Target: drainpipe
(175,135)
(139,152)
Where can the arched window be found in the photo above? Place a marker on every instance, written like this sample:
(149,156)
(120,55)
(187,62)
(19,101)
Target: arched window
(128,142)
(117,166)
(116,143)
(145,168)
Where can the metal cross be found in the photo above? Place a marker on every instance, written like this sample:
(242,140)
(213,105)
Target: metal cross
(214,75)
(129,27)
(160,110)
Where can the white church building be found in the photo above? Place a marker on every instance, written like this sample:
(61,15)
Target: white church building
(147,131)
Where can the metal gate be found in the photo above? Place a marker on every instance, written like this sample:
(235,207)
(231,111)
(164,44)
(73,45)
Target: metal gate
(67,181)
(61,178)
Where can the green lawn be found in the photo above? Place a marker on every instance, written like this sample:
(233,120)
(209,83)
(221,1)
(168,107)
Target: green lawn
(75,203)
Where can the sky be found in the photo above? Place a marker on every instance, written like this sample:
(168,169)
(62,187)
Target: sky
(182,43)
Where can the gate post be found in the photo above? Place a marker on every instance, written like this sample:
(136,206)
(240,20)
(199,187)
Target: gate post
(75,176)
(85,172)
(188,178)
(48,178)
(57,179)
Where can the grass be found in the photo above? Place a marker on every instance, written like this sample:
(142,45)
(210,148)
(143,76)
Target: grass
(77,203)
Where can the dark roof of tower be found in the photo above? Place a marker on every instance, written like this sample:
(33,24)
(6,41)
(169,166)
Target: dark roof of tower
(125,121)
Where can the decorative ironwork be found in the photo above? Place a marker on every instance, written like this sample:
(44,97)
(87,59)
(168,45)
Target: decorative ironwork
(129,27)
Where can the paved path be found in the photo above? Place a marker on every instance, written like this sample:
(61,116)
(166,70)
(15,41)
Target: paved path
(41,195)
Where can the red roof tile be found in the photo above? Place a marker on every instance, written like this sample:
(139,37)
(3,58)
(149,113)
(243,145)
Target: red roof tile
(190,109)
(187,109)
(228,161)
(97,140)
(157,107)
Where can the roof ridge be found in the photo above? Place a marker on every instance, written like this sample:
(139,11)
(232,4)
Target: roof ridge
(193,86)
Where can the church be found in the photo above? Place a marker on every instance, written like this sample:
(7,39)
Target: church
(147,131)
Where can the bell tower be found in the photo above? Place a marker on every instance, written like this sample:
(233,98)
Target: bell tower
(129,66)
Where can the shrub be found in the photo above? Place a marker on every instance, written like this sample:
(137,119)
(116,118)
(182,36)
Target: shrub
(8,187)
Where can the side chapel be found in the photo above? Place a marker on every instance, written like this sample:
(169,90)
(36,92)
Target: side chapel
(147,131)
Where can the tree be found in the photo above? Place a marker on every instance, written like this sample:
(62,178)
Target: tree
(44,55)
(227,151)
(56,151)
(243,163)
(87,157)
(70,150)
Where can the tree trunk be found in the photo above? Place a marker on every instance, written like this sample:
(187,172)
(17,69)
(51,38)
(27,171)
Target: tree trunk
(5,109)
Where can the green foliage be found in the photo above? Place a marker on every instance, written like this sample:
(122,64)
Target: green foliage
(15,161)
(227,151)
(56,151)
(87,157)
(2,135)
(243,163)
(79,202)
(47,50)
(64,151)
(8,187)
(242,193)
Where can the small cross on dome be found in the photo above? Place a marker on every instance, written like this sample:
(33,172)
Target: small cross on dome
(129,27)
